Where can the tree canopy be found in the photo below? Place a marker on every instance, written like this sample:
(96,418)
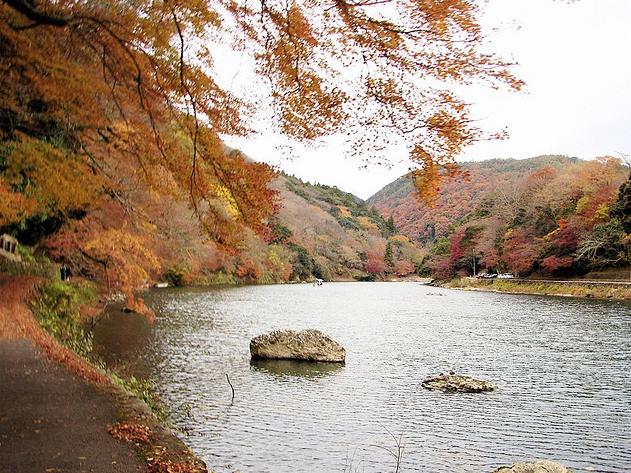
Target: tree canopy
(135,81)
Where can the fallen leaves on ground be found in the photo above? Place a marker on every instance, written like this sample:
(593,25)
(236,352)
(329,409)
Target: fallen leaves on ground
(130,432)
(167,466)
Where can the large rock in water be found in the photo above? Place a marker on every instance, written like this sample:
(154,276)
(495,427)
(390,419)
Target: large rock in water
(539,466)
(457,383)
(308,345)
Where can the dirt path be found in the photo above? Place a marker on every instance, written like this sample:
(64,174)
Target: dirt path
(53,422)
(55,408)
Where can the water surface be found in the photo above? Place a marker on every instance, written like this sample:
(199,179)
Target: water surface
(562,367)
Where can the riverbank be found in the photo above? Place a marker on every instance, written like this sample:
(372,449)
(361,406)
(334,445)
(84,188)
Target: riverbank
(62,413)
(577,288)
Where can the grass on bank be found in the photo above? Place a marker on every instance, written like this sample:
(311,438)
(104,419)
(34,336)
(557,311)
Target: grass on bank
(574,289)
(57,309)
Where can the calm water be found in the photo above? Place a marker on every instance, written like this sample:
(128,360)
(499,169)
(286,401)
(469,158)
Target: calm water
(562,366)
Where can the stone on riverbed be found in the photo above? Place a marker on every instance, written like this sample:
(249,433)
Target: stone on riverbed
(539,466)
(457,383)
(306,345)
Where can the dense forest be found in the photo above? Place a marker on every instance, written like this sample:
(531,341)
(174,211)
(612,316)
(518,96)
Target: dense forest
(316,231)
(547,216)
(348,240)
(112,159)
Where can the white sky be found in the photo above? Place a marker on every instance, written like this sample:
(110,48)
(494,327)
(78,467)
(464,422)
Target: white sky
(576,60)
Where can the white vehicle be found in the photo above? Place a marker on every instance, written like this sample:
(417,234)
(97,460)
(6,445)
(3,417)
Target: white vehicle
(505,276)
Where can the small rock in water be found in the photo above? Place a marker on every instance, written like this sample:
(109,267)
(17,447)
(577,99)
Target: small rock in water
(307,345)
(539,466)
(457,383)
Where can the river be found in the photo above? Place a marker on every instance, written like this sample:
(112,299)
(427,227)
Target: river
(562,367)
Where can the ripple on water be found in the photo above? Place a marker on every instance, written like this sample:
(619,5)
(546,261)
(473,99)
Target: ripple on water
(561,366)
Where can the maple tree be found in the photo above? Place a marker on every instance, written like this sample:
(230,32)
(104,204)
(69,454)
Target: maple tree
(375,264)
(135,81)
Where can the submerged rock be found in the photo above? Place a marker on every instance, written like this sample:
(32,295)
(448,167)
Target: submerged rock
(307,345)
(539,466)
(457,383)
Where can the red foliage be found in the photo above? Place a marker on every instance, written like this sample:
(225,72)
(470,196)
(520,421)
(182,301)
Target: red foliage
(521,250)
(552,263)
(375,264)
(442,267)
(565,237)
(455,245)
(490,258)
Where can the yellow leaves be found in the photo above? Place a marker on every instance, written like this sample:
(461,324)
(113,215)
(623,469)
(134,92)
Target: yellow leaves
(126,256)
(400,239)
(134,88)
(368,225)
(46,178)
(602,212)
(582,204)
(13,205)
(344,211)
(427,178)
(227,199)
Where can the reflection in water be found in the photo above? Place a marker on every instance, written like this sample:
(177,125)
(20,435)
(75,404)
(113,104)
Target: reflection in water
(561,367)
(122,339)
(301,369)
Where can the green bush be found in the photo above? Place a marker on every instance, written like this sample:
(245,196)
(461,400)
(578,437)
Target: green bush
(57,310)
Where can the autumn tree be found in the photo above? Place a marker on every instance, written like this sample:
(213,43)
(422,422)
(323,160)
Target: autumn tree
(375,264)
(404,268)
(521,251)
(135,81)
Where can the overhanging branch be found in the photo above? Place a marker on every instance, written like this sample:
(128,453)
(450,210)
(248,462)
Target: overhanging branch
(28,9)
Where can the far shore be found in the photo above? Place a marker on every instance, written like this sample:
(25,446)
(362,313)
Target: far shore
(611,290)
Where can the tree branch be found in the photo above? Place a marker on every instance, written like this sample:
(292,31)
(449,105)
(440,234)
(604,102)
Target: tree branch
(27,8)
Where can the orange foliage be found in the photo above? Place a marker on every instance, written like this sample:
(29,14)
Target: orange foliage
(135,81)
(403,268)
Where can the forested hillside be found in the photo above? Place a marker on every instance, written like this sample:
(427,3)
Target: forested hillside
(343,236)
(316,231)
(549,215)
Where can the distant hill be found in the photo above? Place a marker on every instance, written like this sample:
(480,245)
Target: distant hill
(457,197)
(339,234)
(548,215)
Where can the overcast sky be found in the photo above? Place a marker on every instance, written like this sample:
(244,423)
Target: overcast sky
(576,60)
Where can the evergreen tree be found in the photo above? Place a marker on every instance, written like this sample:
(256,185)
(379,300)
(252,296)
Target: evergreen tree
(388,257)
(622,208)
(391,228)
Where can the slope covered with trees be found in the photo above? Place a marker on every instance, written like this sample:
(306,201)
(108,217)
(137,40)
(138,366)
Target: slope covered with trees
(341,235)
(112,113)
(550,215)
